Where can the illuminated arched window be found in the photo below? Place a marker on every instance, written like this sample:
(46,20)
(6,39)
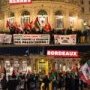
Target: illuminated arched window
(11,17)
(43,17)
(42,12)
(25,17)
(59,20)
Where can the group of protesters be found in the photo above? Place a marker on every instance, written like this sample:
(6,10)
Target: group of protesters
(29,27)
(35,81)
(83,36)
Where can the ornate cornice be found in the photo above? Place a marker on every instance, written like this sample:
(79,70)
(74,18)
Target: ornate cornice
(5,2)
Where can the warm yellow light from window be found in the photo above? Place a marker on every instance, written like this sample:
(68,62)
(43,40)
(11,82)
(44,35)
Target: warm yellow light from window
(59,16)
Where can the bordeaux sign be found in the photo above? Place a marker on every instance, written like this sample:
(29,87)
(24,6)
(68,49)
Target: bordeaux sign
(63,53)
(19,1)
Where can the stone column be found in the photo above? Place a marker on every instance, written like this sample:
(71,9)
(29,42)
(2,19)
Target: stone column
(18,17)
(5,20)
(51,17)
(33,14)
(66,19)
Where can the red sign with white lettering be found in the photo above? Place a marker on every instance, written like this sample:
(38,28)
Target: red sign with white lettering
(63,53)
(19,1)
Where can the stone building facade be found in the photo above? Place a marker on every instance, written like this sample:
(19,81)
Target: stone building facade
(85,10)
(60,13)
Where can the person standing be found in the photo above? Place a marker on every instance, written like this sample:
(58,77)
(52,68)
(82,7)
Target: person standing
(77,82)
(88,34)
(4,82)
(46,82)
(54,84)
(12,83)
(61,82)
(67,81)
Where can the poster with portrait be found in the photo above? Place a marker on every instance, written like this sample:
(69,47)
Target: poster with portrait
(65,39)
(24,66)
(59,24)
(7,67)
(16,66)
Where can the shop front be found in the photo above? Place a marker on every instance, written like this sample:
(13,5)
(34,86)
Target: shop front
(41,59)
(43,64)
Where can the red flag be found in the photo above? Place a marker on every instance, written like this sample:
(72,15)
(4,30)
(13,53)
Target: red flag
(26,25)
(8,24)
(31,25)
(47,27)
(20,28)
(15,24)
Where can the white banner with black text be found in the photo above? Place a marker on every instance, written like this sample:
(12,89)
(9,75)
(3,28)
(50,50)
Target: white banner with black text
(31,39)
(65,39)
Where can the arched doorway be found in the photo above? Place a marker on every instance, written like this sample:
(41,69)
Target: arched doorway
(25,17)
(11,17)
(43,17)
(59,20)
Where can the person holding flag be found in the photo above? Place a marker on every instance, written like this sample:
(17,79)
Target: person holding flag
(9,26)
(85,72)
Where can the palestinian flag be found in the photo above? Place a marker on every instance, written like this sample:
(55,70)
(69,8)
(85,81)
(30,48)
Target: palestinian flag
(85,72)
(36,23)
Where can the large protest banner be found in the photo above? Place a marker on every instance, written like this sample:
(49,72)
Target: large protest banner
(5,38)
(31,39)
(65,39)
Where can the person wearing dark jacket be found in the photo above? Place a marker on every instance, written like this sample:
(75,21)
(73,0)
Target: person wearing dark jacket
(72,83)
(78,36)
(61,82)
(67,81)
(81,84)
(46,82)
(31,82)
(4,83)
(77,82)
(12,83)
(54,84)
